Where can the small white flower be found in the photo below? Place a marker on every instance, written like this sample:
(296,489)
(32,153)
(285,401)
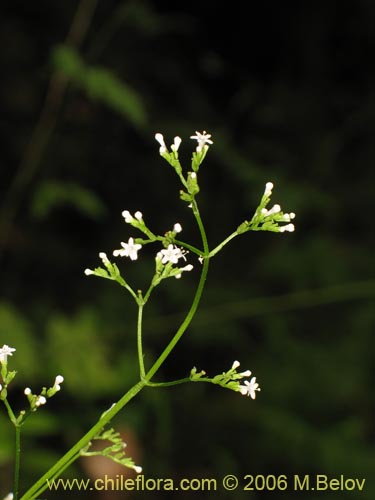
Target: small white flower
(177,228)
(189,267)
(137,469)
(127,216)
(1,387)
(6,351)
(130,249)
(171,254)
(289,217)
(58,380)
(250,388)
(103,256)
(27,391)
(288,227)
(40,400)
(176,144)
(163,148)
(268,189)
(9,496)
(88,272)
(202,138)
(138,215)
(274,210)
(235,365)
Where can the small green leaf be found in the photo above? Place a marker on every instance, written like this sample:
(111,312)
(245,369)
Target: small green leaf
(100,84)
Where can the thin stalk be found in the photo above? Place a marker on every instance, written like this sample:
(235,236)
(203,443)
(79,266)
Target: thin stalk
(139,342)
(169,384)
(17,461)
(10,412)
(198,294)
(59,467)
(222,244)
(42,484)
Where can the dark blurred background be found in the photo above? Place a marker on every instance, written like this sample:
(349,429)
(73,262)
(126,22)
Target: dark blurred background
(286,90)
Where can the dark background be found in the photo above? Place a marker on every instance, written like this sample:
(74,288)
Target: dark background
(286,90)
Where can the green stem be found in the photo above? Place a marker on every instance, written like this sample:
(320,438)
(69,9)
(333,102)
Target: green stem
(139,342)
(57,469)
(169,384)
(16,481)
(222,244)
(10,412)
(42,484)
(198,294)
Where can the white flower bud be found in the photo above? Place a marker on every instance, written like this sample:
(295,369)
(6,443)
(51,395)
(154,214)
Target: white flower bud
(268,190)
(176,143)
(163,148)
(127,216)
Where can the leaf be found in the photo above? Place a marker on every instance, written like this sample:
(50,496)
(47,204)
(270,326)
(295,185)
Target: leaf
(100,84)
(52,194)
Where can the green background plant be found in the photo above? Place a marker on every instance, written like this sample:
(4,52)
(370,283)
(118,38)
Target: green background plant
(287,98)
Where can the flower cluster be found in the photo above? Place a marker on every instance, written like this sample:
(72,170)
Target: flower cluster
(37,400)
(230,380)
(164,261)
(275,212)
(265,219)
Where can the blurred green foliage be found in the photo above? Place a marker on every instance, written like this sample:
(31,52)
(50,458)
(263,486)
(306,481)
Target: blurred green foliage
(288,99)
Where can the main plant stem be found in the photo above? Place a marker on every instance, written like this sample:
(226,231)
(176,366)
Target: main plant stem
(69,457)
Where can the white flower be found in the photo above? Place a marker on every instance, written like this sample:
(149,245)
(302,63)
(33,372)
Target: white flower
(171,254)
(137,468)
(88,272)
(202,138)
(189,267)
(177,228)
(40,400)
(6,351)
(249,388)
(130,249)
(9,496)
(274,210)
(58,380)
(163,148)
(1,387)
(27,391)
(129,218)
(288,227)
(103,256)
(289,217)
(176,144)
(246,373)
(268,189)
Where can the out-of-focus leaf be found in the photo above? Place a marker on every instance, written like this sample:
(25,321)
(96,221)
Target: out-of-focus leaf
(51,194)
(101,84)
